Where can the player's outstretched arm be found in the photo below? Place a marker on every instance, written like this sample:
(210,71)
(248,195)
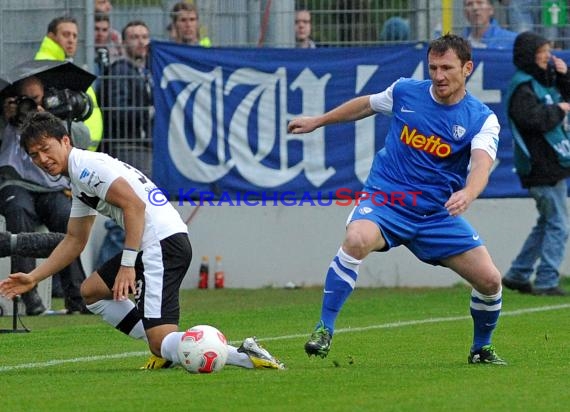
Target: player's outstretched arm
(355,109)
(67,251)
(16,284)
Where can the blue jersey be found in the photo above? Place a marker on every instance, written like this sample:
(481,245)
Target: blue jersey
(428,146)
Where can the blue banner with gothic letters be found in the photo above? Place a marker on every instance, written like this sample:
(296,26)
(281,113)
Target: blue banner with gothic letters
(221,117)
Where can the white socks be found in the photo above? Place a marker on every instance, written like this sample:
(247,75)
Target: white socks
(169,346)
(169,351)
(236,358)
(122,315)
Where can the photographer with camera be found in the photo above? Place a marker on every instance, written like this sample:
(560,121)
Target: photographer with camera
(29,196)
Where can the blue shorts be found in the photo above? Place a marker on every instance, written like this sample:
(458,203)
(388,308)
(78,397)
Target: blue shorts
(430,237)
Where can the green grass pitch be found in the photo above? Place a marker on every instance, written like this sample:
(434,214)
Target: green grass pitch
(394,350)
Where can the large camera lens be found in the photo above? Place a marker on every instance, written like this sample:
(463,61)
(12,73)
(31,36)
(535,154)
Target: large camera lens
(68,104)
(81,105)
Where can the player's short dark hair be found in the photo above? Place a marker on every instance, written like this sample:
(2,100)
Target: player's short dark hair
(458,44)
(52,26)
(38,126)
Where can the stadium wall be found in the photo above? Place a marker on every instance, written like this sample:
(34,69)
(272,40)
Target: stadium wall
(279,246)
(273,246)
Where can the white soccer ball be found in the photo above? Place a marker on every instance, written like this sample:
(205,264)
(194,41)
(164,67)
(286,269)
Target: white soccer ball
(203,349)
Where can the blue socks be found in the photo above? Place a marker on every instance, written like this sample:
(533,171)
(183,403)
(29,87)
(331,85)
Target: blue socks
(485,312)
(339,284)
(341,280)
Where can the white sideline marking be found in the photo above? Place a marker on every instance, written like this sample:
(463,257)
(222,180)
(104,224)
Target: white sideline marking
(74,360)
(424,321)
(344,330)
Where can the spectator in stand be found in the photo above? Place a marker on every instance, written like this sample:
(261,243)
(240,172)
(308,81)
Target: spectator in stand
(106,51)
(537,103)
(395,29)
(107,36)
(186,25)
(60,43)
(171,32)
(30,197)
(103,6)
(114,41)
(102,52)
(127,100)
(526,15)
(522,15)
(128,108)
(484,31)
(303,30)
(105,39)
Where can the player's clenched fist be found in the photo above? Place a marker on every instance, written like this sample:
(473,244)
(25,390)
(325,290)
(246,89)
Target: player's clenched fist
(302,125)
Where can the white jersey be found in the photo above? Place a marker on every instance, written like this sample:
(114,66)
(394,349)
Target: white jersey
(92,174)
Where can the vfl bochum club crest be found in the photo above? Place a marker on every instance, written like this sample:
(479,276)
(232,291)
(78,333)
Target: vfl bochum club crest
(458,132)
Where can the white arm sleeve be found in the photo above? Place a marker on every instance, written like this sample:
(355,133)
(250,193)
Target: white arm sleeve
(382,102)
(488,137)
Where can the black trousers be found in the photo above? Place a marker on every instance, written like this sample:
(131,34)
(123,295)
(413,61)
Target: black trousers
(24,210)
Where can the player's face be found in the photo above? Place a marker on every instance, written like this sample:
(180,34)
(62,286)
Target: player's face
(187,27)
(51,155)
(66,37)
(448,76)
(543,56)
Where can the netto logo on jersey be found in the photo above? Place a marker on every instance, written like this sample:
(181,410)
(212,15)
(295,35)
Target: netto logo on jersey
(431,144)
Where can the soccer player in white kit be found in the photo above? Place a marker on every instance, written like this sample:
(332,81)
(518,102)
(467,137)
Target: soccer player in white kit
(436,160)
(155,258)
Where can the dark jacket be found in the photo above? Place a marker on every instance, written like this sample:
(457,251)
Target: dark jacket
(532,117)
(126,94)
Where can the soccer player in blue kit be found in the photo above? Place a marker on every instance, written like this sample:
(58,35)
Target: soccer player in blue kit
(152,265)
(441,144)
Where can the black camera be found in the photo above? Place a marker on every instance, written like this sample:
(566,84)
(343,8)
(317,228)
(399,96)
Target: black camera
(68,104)
(24,105)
